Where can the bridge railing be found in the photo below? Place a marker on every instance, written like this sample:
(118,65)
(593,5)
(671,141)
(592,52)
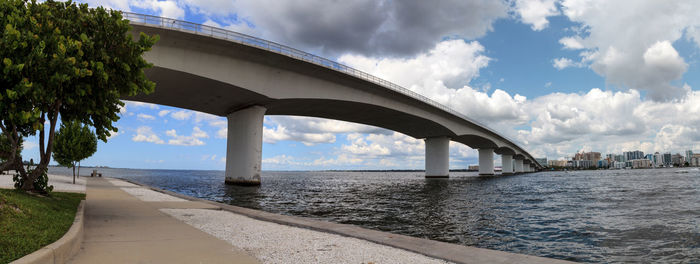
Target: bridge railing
(290,52)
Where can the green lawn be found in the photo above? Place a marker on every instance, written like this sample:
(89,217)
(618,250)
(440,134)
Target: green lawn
(29,222)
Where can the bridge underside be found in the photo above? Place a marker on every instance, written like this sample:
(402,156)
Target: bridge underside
(245,109)
(184,90)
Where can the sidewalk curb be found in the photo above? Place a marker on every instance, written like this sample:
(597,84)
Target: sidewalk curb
(436,249)
(63,249)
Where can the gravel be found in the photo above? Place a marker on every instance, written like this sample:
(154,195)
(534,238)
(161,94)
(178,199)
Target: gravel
(121,183)
(60,183)
(148,195)
(275,243)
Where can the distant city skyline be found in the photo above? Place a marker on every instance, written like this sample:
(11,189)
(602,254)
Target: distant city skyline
(555,76)
(631,159)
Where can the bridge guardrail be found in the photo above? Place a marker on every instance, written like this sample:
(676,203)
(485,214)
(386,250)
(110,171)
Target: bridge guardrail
(294,53)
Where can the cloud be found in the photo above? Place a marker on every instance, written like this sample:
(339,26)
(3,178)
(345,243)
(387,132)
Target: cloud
(360,147)
(280,133)
(113,135)
(563,63)
(192,140)
(535,12)
(29,145)
(134,104)
(340,160)
(370,27)
(571,43)
(629,42)
(609,122)
(181,115)
(220,8)
(236,26)
(143,117)
(307,130)
(169,9)
(146,134)
(443,74)
(280,160)
(163,113)
(110,4)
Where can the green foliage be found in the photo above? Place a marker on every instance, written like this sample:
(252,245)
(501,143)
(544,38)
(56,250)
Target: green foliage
(74,142)
(6,147)
(40,184)
(30,222)
(63,59)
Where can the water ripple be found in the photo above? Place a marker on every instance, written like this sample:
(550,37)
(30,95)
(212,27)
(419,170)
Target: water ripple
(649,216)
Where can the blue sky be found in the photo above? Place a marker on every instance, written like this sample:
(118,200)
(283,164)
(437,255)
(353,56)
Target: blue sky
(556,76)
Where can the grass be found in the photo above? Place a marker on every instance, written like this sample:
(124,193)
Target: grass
(29,222)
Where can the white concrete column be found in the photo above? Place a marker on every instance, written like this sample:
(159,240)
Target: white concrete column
(437,157)
(519,166)
(244,146)
(507,164)
(486,162)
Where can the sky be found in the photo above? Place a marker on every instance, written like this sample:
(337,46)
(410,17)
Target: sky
(556,76)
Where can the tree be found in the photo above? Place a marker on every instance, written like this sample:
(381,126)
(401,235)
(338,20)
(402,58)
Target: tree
(6,153)
(74,142)
(68,60)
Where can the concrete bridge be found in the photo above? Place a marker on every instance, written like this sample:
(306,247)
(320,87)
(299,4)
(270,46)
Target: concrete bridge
(241,77)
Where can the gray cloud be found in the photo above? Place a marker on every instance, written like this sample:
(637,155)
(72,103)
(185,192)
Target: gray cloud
(369,27)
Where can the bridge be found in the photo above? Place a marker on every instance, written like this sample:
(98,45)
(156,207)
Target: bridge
(225,73)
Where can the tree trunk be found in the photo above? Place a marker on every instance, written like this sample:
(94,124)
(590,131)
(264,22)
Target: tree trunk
(45,153)
(14,137)
(74,172)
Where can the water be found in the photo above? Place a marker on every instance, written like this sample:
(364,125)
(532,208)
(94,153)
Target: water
(589,216)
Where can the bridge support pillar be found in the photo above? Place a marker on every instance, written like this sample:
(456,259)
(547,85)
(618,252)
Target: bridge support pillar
(486,162)
(507,164)
(244,146)
(519,166)
(437,157)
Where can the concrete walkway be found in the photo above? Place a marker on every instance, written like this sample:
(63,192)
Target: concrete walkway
(120,228)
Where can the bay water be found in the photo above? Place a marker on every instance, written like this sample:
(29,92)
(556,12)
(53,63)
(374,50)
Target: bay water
(604,216)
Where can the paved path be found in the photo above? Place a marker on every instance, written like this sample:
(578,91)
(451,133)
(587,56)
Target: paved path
(120,228)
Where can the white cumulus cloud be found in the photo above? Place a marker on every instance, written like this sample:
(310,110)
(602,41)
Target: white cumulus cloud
(146,134)
(535,12)
(192,140)
(142,116)
(629,42)
(443,74)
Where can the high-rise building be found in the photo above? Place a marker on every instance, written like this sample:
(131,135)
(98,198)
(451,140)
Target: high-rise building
(658,160)
(677,160)
(633,155)
(592,156)
(556,163)
(619,158)
(695,160)
(649,157)
(688,155)
(603,164)
(668,159)
(640,163)
(584,164)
